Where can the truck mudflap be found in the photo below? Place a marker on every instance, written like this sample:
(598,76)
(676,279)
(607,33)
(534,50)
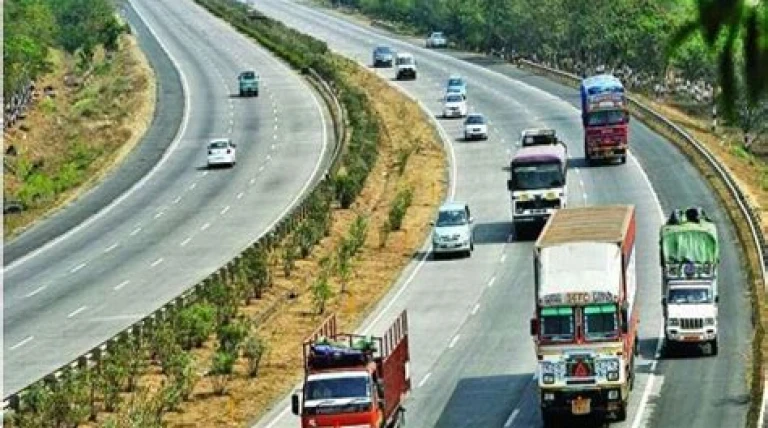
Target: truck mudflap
(599,402)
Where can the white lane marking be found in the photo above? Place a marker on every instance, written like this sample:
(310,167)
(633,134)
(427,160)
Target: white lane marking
(272,147)
(141,183)
(511,418)
(474,310)
(761,416)
(186,241)
(253,180)
(193,185)
(453,341)
(205,173)
(122,284)
(176,201)
(157,262)
(36,290)
(491,281)
(224,211)
(424,380)
(261,168)
(231,122)
(269,157)
(78,267)
(240,195)
(135,231)
(77,311)
(22,343)
(274,137)
(502,258)
(160,214)
(205,226)
(111,247)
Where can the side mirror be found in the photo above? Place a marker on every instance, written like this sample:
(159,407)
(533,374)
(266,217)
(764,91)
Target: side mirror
(234,145)
(534,327)
(663,301)
(717,299)
(510,185)
(471,219)
(295,404)
(624,320)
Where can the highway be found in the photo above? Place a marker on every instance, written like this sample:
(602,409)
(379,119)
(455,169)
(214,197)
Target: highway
(182,221)
(472,360)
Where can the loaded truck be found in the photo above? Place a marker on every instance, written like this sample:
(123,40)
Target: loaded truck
(352,380)
(585,317)
(690,255)
(537,183)
(248,82)
(605,117)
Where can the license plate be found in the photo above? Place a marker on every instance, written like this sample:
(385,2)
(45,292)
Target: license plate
(581,406)
(691,338)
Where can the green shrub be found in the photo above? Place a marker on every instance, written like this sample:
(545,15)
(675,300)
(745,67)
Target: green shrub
(222,367)
(253,350)
(399,207)
(345,188)
(321,292)
(37,188)
(289,257)
(194,324)
(232,334)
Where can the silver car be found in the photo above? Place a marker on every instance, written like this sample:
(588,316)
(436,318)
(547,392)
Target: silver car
(453,230)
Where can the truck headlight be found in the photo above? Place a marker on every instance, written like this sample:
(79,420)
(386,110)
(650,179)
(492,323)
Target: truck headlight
(549,396)
(673,322)
(613,376)
(613,394)
(548,378)
(607,365)
(709,321)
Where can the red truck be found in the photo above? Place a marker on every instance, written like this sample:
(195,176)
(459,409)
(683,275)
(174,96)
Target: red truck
(605,116)
(352,380)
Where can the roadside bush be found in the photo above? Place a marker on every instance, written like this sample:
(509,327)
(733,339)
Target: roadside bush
(321,292)
(232,334)
(38,187)
(257,273)
(224,298)
(253,350)
(222,367)
(358,233)
(194,324)
(289,257)
(399,207)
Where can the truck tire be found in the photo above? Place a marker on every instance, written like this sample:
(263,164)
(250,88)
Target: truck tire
(549,420)
(713,348)
(624,159)
(621,415)
(242,93)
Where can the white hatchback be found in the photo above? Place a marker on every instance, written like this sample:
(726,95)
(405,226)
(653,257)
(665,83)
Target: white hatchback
(475,126)
(455,105)
(222,151)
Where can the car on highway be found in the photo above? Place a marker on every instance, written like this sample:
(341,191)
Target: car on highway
(383,56)
(437,40)
(248,82)
(475,126)
(453,230)
(454,105)
(405,66)
(458,85)
(222,151)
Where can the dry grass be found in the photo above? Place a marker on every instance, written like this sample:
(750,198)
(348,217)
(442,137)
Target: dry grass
(374,269)
(87,129)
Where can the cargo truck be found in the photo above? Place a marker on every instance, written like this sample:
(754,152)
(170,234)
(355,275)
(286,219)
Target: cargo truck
(352,380)
(690,255)
(605,117)
(248,82)
(537,184)
(585,320)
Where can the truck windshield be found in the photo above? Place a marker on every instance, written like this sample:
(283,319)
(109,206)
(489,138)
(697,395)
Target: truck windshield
(557,324)
(341,387)
(693,296)
(600,322)
(537,176)
(602,118)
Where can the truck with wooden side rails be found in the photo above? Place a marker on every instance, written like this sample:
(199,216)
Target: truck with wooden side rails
(605,117)
(585,316)
(689,252)
(353,380)
(537,184)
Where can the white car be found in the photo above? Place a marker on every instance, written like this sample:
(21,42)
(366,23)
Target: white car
(475,126)
(436,40)
(222,151)
(405,66)
(455,105)
(453,230)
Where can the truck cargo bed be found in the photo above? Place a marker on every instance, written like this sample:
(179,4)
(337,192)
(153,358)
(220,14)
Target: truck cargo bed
(605,223)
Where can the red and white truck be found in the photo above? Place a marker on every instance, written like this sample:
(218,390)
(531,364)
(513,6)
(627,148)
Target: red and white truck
(605,116)
(585,320)
(352,380)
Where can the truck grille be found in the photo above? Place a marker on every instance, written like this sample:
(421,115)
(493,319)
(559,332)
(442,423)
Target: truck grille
(538,204)
(691,323)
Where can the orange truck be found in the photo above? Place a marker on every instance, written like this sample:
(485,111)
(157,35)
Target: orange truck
(354,381)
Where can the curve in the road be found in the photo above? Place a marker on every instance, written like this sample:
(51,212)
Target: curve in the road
(458,307)
(185,221)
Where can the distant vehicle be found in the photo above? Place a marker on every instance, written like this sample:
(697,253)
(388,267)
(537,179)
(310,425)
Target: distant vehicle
(405,66)
(538,137)
(457,84)
(222,151)
(690,256)
(352,380)
(437,40)
(454,106)
(605,117)
(453,230)
(249,83)
(475,126)
(383,56)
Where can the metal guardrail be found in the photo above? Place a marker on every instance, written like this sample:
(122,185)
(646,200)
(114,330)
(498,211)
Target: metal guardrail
(190,296)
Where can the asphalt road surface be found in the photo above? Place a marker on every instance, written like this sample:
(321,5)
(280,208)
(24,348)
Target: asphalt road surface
(183,221)
(472,360)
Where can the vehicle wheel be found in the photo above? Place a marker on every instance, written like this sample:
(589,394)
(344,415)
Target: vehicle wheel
(549,420)
(713,348)
(621,415)
(472,246)
(242,93)
(468,253)
(624,159)
(256,94)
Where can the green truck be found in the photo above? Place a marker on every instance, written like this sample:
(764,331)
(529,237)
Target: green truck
(249,83)
(689,252)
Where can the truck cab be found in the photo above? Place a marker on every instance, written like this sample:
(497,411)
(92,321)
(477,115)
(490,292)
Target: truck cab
(248,82)
(539,136)
(605,117)
(689,252)
(405,66)
(354,380)
(537,184)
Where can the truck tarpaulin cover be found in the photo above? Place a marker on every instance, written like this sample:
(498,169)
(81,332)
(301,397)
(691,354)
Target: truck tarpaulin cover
(691,241)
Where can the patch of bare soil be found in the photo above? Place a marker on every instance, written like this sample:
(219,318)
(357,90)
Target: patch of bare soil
(70,141)
(375,268)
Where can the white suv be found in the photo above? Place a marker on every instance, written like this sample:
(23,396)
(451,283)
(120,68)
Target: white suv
(221,151)
(455,105)
(436,40)
(405,66)
(453,230)
(475,126)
